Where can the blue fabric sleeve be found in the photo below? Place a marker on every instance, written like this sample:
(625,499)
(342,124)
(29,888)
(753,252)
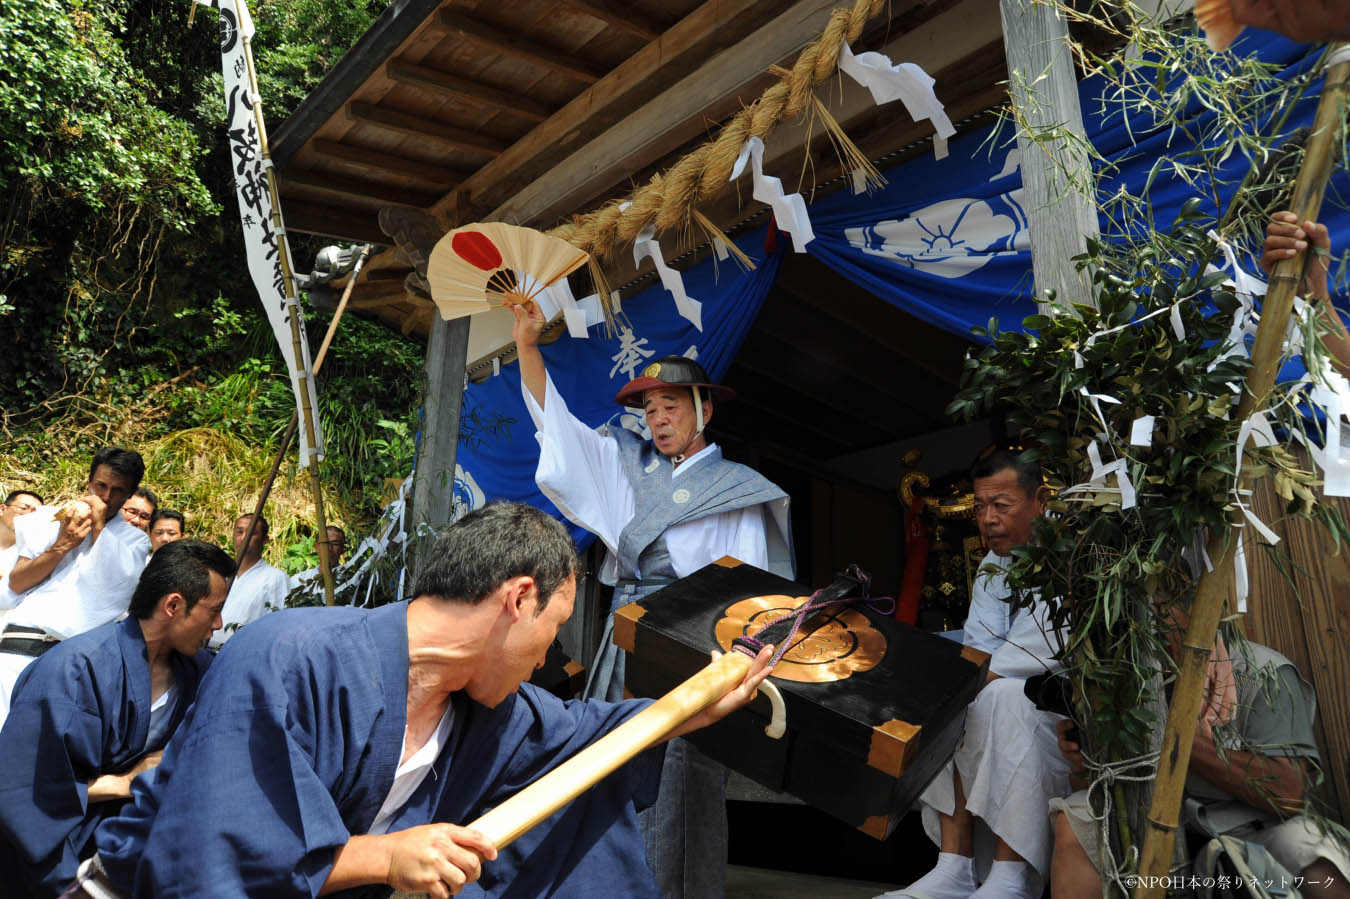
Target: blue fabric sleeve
(237,807)
(51,748)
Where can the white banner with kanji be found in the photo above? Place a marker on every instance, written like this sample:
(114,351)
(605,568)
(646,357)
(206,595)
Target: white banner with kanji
(264,240)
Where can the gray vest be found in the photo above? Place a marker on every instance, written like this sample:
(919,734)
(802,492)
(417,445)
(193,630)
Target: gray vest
(711,487)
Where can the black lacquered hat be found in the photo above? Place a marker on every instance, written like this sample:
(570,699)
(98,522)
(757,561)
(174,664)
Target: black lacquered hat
(671,371)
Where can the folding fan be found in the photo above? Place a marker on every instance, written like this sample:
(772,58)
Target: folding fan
(1215,18)
(492,264)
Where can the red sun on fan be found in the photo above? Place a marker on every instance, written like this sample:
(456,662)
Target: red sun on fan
(492,264)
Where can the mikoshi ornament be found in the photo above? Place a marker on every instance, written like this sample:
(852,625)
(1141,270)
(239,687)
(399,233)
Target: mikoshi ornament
(492,264)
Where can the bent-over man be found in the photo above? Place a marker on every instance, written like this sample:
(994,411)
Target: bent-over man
(94,711)
(325,741)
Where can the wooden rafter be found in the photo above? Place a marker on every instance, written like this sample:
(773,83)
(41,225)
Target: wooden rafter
(680,51)
(353,187)
(667,121)
(617,15)
(454,87)
(937,354)
(425,129)
(439,176)
(785,329)
(332,221)
(516,47)
(375,301)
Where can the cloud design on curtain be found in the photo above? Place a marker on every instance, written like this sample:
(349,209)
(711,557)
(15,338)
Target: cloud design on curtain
(950,238)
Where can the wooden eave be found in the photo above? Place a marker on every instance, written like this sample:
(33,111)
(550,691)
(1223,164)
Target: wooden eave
(534,111)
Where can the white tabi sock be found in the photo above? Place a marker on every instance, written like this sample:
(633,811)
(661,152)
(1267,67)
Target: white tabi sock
(953,877)
(1010,880)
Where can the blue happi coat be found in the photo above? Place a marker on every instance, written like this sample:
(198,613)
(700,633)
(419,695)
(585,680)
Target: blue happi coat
(292,748)
(80,710)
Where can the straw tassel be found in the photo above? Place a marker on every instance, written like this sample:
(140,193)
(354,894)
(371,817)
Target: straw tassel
(850,157)
(716,234)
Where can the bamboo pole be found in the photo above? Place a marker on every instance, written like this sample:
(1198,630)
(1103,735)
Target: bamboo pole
(1213,589)
(505,823)
(295,413)
(293,309)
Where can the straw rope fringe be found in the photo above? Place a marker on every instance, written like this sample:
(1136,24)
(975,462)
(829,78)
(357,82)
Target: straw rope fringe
(668,200)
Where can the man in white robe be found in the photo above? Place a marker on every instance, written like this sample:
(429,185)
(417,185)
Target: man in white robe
(76,572)
(663,508)
(258,588)
(985,809)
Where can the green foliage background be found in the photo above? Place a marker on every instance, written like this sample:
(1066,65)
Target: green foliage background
(129,313)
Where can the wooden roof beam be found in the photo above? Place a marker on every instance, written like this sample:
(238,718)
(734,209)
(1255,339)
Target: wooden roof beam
(390,298)
(671,119)
(355,188)
(332,221)
(452,87)
(616,15)
(424,129)
(515,46)
(682,49)
(439,176)
(664,123)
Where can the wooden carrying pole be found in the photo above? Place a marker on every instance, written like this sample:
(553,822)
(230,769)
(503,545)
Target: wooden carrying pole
(295,413)
(1213,590)
(505,823)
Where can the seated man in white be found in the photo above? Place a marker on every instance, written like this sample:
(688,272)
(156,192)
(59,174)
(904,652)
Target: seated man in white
(984,809)
(76,570)
(258,588)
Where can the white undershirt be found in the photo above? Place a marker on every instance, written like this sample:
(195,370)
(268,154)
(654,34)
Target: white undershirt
(581,473)
(411,773)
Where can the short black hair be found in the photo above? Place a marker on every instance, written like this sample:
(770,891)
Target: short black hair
(262,523)
(183,566)
(169,513)
(127,463)
(489,546)
(1028,473)
(16,493)
(146,493)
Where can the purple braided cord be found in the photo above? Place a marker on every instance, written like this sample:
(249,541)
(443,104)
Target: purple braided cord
(752,645)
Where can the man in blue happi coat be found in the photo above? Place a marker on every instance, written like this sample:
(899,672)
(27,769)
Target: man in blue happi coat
(94,711)
(664,508)
(326,742)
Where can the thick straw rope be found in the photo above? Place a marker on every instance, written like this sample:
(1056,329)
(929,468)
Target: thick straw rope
(669,199)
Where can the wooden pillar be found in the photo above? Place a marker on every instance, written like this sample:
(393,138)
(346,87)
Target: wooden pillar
(1056,173)
(434,485)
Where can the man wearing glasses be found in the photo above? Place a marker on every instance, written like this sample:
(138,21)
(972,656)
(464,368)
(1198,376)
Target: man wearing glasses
(19,502)
(140,507)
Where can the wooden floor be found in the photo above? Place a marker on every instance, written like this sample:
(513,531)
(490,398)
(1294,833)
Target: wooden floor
(760,883)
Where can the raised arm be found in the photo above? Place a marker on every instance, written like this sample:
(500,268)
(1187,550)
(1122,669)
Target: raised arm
(529,325)
(28,572)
